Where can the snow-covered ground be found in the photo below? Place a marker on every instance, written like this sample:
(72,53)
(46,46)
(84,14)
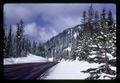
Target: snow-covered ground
(29,59)
(65,69)
(71,70)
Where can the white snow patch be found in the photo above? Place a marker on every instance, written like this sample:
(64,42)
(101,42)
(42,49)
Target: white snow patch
(68,49)
(102,33)
(105,35)
(110,41)
(62,60)
(71,70)
(114,37)
(109,56)
(68,32)
(92,45)
(50,59)
(100,46)
(93,52)
(79,27)
(114,57)
(105,76)
(77,58)
(29,59)
(92,56)
(75,35)
(113,68)
(100,37)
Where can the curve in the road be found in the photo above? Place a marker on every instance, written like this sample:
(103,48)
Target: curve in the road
(26,71)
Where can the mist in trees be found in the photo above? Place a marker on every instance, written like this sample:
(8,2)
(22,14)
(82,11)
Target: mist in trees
(18,45)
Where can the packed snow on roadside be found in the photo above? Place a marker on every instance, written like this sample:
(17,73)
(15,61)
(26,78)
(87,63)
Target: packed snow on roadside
(28,59)
(50,59)
(71,70)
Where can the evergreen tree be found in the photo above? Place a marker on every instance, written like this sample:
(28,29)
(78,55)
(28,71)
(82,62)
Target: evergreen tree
(29,47)
(96,20)
(103,17)
(5,46)
(34,47)
(84,17)
(14,46)
(110,19)
(83,39)
(39,50)
(9,43)
(90,14)
(19,38)
(102,39)
(24,46)
(18,41)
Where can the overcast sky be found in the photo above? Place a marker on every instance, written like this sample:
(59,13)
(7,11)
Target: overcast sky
(43,21)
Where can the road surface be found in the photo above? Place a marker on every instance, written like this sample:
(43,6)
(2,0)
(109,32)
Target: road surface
(26,71)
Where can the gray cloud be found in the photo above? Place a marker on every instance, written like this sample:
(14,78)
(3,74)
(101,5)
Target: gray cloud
(59,16)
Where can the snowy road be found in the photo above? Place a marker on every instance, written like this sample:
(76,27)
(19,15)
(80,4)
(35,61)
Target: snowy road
(27,70)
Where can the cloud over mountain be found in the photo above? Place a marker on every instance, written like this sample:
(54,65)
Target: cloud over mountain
(44,21)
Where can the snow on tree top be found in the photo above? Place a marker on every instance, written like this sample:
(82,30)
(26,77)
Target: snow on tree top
(79,27)
(68,32)
(92,45)
(68,49)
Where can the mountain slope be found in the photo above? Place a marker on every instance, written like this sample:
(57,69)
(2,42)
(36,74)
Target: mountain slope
(61,45)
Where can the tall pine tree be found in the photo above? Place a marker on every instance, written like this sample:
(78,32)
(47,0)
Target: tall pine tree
(19,38)
(9,43)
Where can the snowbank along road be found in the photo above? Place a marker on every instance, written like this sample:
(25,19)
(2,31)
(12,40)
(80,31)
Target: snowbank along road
(26,71)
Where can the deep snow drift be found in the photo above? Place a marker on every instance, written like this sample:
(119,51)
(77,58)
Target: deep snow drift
(29,59)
